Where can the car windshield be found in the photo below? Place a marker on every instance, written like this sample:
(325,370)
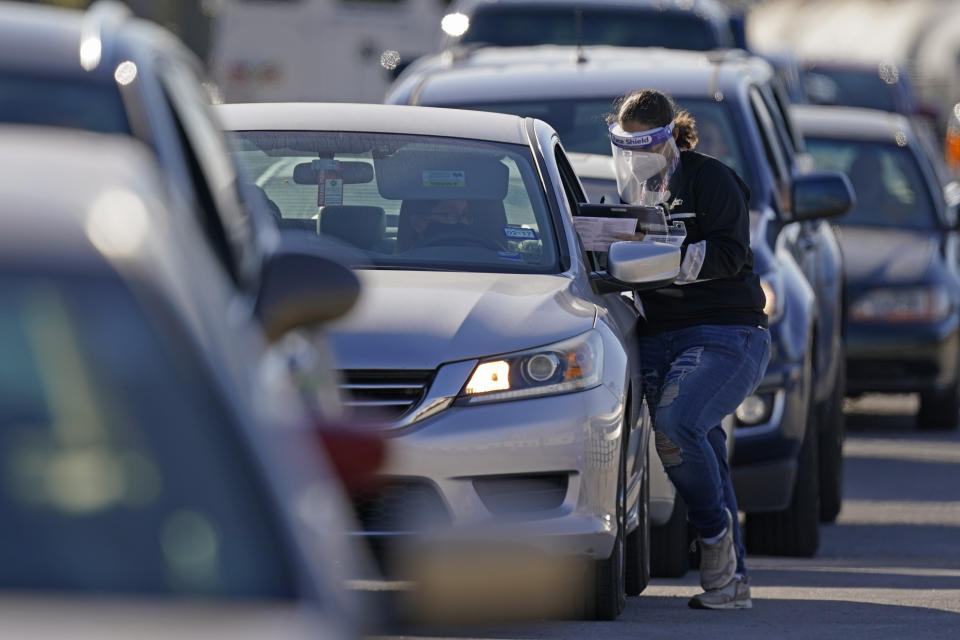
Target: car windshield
(506,26)
(889,186)
(582,124)
(62,102)
(852,87)
(407,201)
(120,472)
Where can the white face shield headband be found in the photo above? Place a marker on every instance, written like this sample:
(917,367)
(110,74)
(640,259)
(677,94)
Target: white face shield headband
(644,162)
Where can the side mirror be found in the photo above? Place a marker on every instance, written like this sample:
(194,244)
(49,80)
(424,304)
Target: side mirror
(634,266)
(821,194)
(301,286)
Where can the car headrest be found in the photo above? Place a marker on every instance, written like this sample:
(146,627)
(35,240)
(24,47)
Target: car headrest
(865,169)
(360,226)
(441,175)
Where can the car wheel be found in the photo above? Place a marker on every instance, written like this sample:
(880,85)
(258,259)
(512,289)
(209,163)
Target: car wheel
(638,543)
(830,461)
(609,588)
(669,546)
(939,409)
(796,530)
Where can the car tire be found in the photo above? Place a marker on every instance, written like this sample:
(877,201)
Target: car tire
(794,531)
(830,445)
(609,575)
(669,546)
(939,410)
(638,543)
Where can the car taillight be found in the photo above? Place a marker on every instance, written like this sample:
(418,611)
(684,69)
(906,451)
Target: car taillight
(951,150)
(357,455)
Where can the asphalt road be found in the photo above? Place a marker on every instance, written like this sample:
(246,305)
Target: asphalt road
(888,568)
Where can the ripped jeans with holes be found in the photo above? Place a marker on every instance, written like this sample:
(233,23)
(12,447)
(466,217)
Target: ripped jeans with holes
(692,379)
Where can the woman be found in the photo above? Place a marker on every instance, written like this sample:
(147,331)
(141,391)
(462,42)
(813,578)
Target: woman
(704,345)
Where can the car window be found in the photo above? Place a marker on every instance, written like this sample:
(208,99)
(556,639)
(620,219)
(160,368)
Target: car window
(407,201)
(772,144)
(781,121)
(215,178)
(867,88)
(509,26)
(121,473)
(62,102)
(574,194)
(890,189)
(571,185)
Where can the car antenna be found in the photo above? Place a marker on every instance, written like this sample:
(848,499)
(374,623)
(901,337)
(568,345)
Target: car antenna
(578,29)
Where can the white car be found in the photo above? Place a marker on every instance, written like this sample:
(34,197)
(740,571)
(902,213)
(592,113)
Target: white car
(498,359)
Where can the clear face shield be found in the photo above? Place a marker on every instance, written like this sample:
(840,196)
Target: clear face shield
(644,162)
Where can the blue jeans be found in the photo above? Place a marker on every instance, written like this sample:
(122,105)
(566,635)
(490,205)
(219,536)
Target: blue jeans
(692,378)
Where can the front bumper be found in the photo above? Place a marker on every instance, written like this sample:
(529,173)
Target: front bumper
(543,470)
(765,455)
(902,358)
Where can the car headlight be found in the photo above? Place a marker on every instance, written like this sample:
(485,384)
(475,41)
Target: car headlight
(917,304)
(571,365)
(772,284)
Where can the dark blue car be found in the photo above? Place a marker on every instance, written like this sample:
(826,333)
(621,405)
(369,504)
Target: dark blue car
(900,245)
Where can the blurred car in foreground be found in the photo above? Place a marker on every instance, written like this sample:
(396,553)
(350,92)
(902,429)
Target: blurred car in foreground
(795,417)
(158,464)
(104,71)
(901,252)
(502,376)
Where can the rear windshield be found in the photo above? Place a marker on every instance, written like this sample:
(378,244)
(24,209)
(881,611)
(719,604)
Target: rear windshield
(62,102)
(582,125)
(852,87)
(405,201)
(890,189)
(506,26)
(118,471)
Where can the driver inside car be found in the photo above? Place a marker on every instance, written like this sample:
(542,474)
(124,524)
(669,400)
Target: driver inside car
(441,218)
(433,220)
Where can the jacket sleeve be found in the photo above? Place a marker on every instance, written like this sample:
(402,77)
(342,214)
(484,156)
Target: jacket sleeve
(721,206)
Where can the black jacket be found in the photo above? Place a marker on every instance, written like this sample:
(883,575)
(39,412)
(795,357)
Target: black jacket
(717,284)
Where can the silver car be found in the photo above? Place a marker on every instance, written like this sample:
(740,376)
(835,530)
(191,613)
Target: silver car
(485,339)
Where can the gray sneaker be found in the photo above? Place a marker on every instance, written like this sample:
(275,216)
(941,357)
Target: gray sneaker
(734,595)
(718,562)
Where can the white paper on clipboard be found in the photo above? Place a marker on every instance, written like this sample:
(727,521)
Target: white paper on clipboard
(597,234)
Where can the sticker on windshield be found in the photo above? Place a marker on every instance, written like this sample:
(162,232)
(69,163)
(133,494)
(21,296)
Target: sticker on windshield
(332,191)
(519,233)
(510,255)
(440,178)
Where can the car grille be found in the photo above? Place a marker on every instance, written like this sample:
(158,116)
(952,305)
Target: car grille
(384,395)
(523,494)
(408,505)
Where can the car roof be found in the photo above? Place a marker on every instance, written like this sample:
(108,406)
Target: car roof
(36,37)
(551,71)
(710,8)
(78,202)
(852,123)
(373,118)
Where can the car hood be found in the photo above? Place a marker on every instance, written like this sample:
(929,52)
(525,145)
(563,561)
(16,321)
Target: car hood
(874,257)
(421,319)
